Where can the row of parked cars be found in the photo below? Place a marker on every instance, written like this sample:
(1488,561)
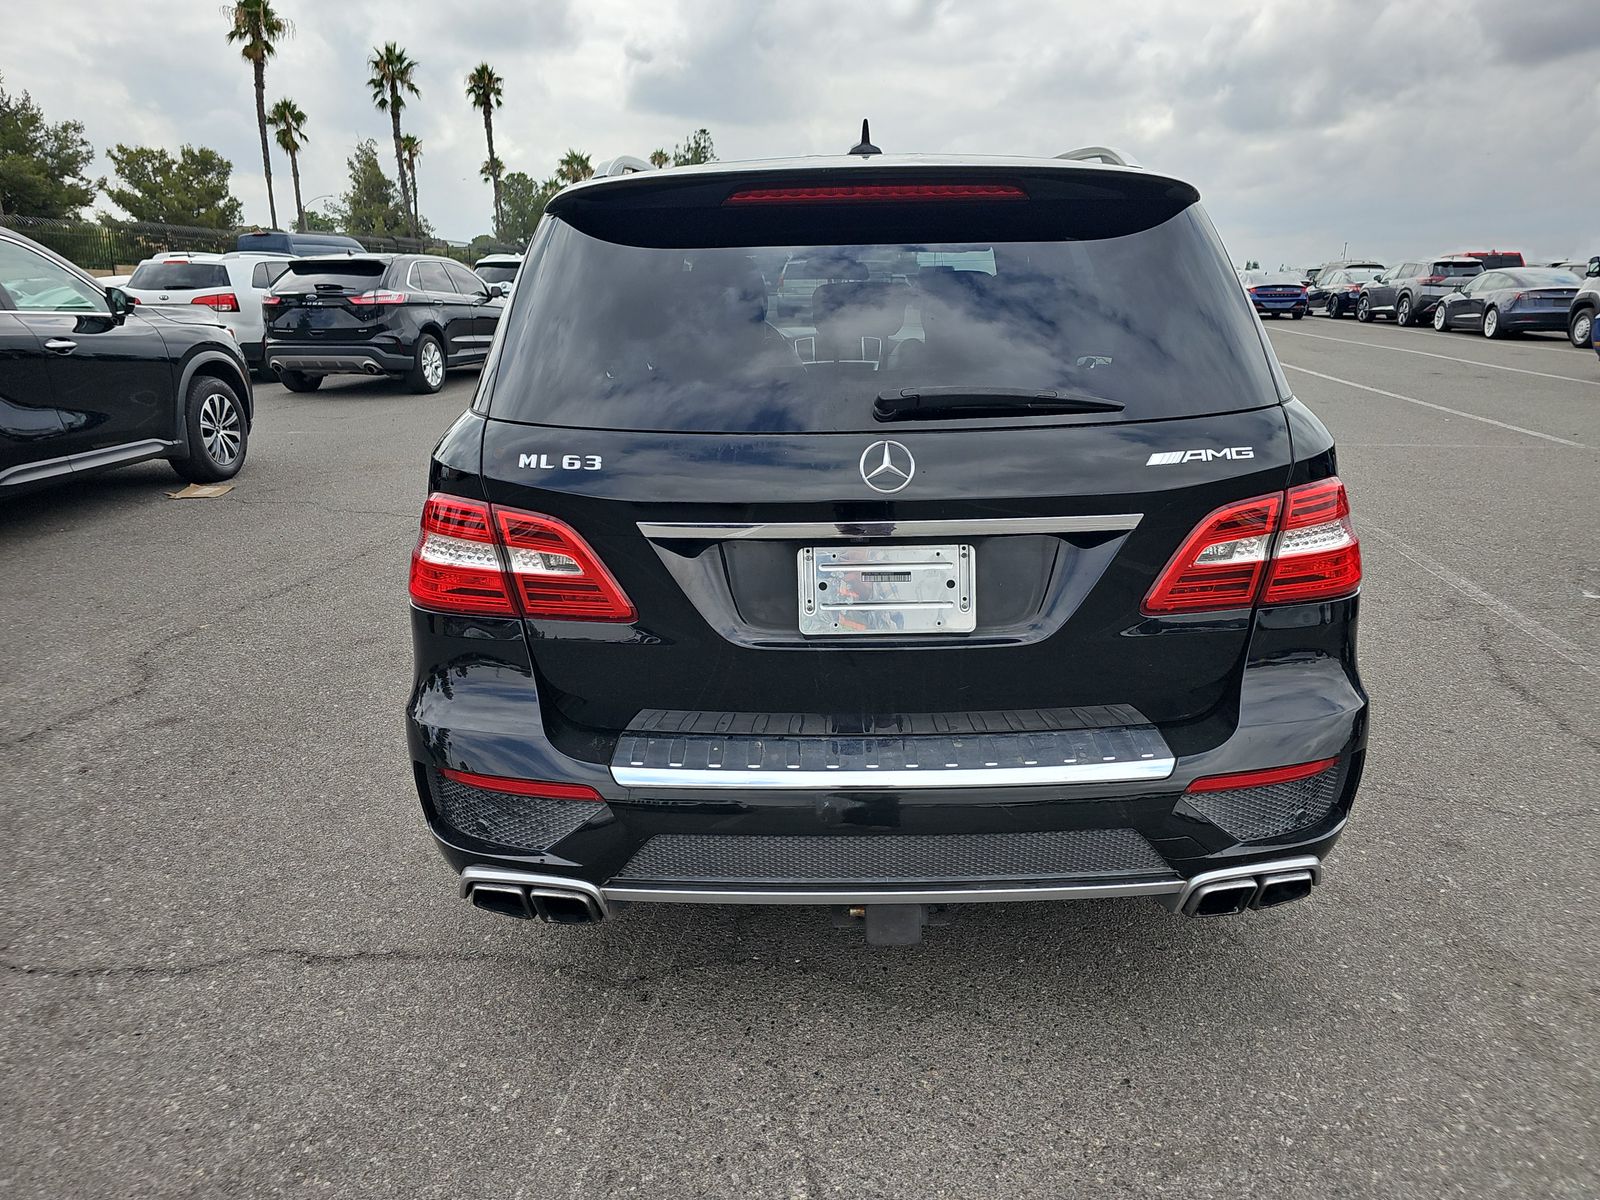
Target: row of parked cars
(97,373)
(1494,293)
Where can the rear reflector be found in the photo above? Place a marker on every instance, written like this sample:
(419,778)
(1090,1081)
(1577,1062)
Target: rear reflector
(857,193)
(1249,779)
(220,301)
(473,558)
(524,787)
(1285,547)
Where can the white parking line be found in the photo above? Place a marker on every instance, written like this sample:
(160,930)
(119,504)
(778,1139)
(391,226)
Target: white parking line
(1471,362)
(1455,412)
(1517,619)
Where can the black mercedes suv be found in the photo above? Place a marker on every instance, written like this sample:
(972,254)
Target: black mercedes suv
(1002,566)
(408,316)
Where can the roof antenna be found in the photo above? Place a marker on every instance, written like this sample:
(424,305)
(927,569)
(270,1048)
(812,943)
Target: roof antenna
(864,147)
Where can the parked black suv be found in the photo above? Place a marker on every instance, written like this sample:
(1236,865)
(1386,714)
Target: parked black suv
(1408,292)
(1004,568)
(88,381)
(405,315)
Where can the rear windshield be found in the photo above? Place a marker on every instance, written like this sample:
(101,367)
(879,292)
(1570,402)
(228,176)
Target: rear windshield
(1360,274)
(309,274)
(1457,269)
(496,272)
(1273,279)
(175,277)
(1491,261)
(772,338)
(1546,277)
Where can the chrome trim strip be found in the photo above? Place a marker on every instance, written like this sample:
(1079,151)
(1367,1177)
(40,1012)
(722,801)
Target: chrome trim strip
(979,527)
(46,468)
(1141,770)
(745,894)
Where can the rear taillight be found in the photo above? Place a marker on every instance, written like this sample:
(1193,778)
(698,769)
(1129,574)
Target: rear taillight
(500,562)
(1285,547)
(271,301)
(1431,279)
(857,193)
(381,297)
(1317,556)
(220,301)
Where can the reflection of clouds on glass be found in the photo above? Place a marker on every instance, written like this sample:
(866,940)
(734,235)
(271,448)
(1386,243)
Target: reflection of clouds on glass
(789,339)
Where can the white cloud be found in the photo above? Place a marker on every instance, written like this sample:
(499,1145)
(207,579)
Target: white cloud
(1400,127)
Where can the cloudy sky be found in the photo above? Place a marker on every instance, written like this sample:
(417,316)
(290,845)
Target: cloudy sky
(1399,127)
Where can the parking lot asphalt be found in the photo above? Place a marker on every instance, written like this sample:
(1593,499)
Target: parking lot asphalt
(233,965)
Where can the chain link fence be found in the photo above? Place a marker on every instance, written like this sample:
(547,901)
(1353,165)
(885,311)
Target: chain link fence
(114,247)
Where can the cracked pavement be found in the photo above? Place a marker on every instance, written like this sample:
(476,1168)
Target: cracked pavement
(232,965)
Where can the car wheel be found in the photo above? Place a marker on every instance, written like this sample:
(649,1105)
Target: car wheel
(1440,321)
(1580,330)
(427,372)
(1364,308)
(218,433)
(1333,307)
(297,381)
(1491,324)
(1402,311)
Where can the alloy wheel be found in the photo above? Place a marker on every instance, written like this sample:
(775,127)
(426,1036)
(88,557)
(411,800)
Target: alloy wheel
(219,428)
(1582,330)
(1491,322)
(1439,318)
(432,364)
(1403,313)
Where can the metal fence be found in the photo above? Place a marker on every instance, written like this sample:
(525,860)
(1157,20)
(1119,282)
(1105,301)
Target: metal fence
(107,246)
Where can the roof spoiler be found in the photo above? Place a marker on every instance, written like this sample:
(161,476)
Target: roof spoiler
(1104,154)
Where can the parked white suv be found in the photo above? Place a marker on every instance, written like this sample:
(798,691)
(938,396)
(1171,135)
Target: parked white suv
(231,285)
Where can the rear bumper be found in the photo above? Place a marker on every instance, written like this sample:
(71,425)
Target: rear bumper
(856,845)
(336,360)
(1554,321)
(1298,306)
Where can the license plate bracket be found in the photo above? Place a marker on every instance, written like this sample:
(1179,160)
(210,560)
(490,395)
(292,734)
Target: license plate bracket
(886,591)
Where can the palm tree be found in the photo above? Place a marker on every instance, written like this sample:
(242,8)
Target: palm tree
(411,144)
(290,122)
(659,158)
(486,90)
(258,28)
(574,165)
(393,75)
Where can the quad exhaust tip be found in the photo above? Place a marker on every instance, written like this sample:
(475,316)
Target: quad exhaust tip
(1262,885)
(543,898)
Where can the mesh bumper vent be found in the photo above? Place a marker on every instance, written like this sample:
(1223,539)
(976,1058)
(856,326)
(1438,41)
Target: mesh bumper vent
(893,858)
(530,823)
(1261,813)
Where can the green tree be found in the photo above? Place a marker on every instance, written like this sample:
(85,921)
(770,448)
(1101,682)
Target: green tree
(696,148)
(393,77)
(289,120)
(369,207)
(41,165)
(524,205)
(659,158)
(574,165)
(257,29)
(486,91)
(411,144)
(191,189)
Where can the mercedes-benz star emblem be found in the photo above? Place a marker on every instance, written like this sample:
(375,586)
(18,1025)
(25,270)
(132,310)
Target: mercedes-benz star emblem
(887,466)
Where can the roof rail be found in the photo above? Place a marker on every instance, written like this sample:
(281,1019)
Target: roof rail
(622,164)
(1096,154)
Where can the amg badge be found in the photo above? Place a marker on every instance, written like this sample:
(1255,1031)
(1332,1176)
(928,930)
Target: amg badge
(1162,458)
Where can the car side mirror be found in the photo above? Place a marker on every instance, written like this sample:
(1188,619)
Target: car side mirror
(497,290)
(117,300)
(1594,269)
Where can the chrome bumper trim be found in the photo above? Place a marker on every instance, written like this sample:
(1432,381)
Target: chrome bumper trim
(1142,771)
(980,527)
(929,895)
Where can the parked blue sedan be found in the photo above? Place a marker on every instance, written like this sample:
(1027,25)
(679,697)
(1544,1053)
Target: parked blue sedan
(1276,293)
(1509,301)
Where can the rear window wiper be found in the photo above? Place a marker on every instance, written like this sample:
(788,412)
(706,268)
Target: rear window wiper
(934,403)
